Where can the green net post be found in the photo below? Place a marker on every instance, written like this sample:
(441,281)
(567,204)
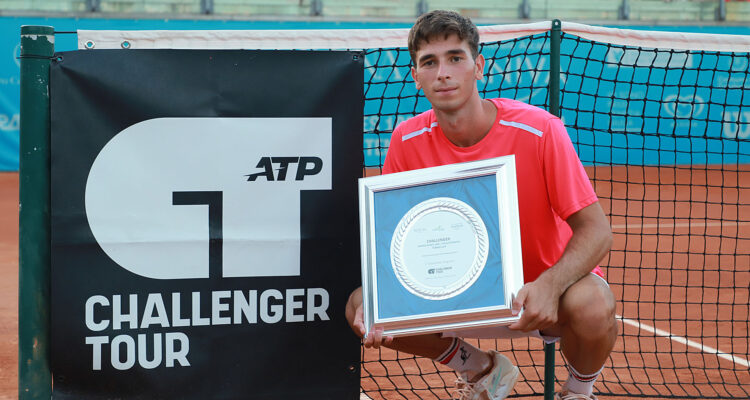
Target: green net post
(34,377)
(549,371)
(554,108)
(554,68)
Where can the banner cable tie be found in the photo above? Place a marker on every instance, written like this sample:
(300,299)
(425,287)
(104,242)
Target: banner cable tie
(35,56)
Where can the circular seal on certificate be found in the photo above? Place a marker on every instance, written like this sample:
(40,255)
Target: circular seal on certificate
(439,248)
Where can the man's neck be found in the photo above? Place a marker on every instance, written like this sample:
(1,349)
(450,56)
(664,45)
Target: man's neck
(469,125)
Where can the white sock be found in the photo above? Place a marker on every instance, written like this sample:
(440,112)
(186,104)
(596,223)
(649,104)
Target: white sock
(580,383)
(465,358)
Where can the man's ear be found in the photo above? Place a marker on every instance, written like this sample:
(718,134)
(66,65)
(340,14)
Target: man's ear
(479,64)
(414,77)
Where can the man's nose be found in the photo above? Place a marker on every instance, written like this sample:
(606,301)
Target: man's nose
(443,71)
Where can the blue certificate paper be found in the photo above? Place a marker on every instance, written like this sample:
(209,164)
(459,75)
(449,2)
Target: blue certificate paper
(440,247)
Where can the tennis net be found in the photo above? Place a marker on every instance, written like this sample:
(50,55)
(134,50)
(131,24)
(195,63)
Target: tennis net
(662,123)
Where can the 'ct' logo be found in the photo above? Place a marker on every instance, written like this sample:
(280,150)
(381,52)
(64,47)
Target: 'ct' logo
(166,198)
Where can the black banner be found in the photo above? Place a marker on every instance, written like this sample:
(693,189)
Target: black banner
(204,223)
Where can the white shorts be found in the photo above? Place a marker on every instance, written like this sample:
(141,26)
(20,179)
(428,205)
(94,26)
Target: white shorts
(498,332)
(503,332)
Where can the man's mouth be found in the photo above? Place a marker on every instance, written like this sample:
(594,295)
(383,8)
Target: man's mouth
(445,90)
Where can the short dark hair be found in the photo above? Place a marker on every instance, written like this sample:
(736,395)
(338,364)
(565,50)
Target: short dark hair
(441,24)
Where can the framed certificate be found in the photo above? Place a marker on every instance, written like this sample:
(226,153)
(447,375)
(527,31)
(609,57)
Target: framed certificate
(441,247)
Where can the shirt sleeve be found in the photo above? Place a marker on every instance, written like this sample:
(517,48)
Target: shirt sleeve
(568,187)
(394,156)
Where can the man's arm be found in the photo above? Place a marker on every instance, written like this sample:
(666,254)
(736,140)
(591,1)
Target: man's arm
(355,315)
(591,240)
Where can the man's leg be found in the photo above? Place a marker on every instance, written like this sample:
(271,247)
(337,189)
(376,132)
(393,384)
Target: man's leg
(429,346)
(452,352)
(587,330)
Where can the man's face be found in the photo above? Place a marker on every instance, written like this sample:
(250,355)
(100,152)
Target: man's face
(447,73)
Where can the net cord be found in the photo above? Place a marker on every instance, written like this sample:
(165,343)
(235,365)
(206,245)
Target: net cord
(385,38)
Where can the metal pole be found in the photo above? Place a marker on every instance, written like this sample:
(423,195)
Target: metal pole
(554,108)
(316,8)
(34,377)
(549,371)
(93,5)
(721,11)
(624,11)
(524,9)
(554,68)
(422,7)
(207,7)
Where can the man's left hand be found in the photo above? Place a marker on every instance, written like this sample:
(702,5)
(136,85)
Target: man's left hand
(539,301)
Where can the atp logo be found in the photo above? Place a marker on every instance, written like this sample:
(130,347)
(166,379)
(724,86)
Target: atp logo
(171,198)
(305,166)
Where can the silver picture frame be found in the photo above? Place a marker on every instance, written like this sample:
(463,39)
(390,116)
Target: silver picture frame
(441,247)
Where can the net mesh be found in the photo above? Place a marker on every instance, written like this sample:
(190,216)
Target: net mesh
(664,135)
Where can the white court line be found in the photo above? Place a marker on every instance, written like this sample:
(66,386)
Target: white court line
(363,396)
(679,225)
(685,341)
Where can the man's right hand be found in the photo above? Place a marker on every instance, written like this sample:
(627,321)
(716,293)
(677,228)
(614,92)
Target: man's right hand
(355,316)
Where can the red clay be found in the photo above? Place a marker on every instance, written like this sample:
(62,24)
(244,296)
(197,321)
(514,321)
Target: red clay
(8,285)
(683,263)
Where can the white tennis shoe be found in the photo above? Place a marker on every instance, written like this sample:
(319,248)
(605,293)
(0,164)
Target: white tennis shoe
(496,385)
(573,396)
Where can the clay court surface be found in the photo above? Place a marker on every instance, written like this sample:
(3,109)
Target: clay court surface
(680,253)
(8,285)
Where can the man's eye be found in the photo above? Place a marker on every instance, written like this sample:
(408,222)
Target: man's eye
(456,59)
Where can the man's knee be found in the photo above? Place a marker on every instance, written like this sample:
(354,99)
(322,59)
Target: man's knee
(590,308)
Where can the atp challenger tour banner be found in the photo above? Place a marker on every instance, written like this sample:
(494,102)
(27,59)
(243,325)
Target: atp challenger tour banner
(204,223)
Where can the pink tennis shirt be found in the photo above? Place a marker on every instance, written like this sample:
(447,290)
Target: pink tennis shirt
(552,183)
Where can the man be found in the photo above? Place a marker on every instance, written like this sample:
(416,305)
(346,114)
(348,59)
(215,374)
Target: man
(564,232)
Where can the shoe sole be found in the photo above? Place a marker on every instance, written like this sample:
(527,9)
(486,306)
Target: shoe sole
(513,380)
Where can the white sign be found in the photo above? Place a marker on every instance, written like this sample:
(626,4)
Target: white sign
(165,193)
